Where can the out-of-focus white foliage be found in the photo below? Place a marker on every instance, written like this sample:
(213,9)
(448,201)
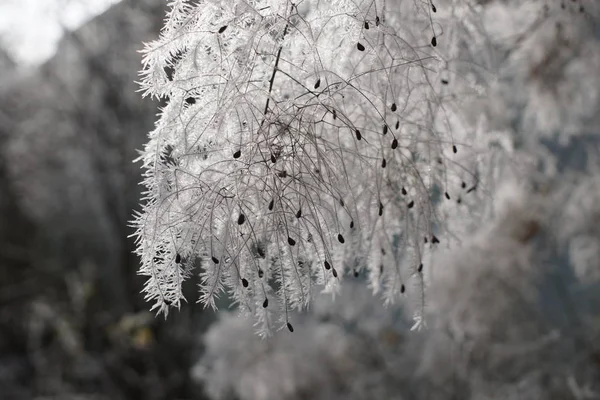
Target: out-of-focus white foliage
(340,350)
(302,142)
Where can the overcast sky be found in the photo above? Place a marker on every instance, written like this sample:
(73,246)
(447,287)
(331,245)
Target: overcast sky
(31,29)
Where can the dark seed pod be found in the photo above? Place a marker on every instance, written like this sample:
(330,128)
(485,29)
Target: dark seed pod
(393,107)
(444,81)
(402,289)
(282,174)
(261,273)
(351,224)
(463,185)
(404,191)
(341,238)
(273,159)
(241,219)
(299,213)
(291,241)
(447,195)
(360,47)
(178,258)
(244,282)
(383,251)
(327,265)
(380,269)
(266,303)
(397,124)
(334,272)
(385,129)
(271,204)
(434,239)
(290,327)
(215,260)
(366,25)
(411,204)
(459,200)
(237,154)
(358,135)
(454,149)
(355,273)
(383,163)
(420,267)
(222,29)
(334,114)
(318,83)
(341,202)
(380,209)
(394,144)
(433,8)
(434,41)
(377,21)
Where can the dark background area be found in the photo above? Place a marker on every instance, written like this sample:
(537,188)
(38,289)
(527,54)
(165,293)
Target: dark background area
(72,321)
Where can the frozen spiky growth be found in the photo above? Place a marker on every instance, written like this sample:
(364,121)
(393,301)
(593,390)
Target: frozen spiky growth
(300,142)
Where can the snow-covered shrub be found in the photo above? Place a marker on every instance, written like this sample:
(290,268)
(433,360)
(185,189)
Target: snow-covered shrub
(302,142)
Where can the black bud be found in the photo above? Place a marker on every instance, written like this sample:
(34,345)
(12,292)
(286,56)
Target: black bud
(433,8)
(385,129)
(444,81)
(341,202)
(366,25)
(404,191)
(358,135)
(341,238)
(273,159)
(411,204)
(434,239)
(351,224)
(434,41)
(447,195)
(266,303)
(299,213)
(463,185)
(402,289)
(420,267)
(271,204)
(318,83)
(394,144)
(237,154)
(393,107)
(291,241)
(360,47)
(397,124)
(380,209)
(355,273)
(215,260)
(380,268)
(377,21)
(327,265)
(334,114)
(244,282)
(459,200)
(261,273)
(383,163)
(241,219)
(454,149)
(290,327)
(334,272)
(222,29)
(177,258)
